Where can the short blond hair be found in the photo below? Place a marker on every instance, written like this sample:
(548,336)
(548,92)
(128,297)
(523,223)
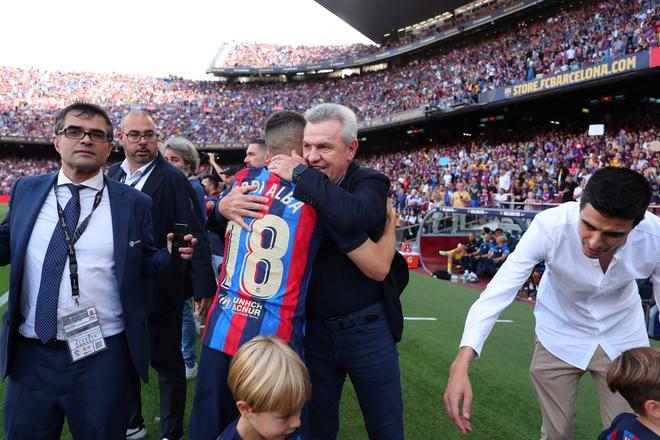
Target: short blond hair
(269,376)
(636,376)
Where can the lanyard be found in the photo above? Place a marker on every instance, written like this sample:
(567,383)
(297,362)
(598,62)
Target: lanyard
(144,173)
(72,239)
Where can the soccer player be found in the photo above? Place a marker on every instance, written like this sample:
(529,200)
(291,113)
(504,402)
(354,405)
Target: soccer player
(264,275)
(353,321)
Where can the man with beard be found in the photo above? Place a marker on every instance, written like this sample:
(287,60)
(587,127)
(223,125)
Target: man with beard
(174,201)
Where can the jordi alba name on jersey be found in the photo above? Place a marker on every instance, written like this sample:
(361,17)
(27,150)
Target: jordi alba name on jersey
(266,271)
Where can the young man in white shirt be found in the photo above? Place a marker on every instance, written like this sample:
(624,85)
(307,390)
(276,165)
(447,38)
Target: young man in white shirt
(588,309)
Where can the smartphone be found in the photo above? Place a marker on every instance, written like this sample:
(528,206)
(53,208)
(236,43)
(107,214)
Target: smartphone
(179,230)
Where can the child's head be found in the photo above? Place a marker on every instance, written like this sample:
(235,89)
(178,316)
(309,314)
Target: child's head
(270,385)
(636,376)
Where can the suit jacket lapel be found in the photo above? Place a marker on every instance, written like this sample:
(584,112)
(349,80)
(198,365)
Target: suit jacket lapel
(120,213)
(155,178)
(25,212)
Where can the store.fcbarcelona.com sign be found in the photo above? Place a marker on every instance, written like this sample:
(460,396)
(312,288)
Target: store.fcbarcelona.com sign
(618,66)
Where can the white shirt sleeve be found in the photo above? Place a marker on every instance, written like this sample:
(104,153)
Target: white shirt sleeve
(502,289)
(656,284)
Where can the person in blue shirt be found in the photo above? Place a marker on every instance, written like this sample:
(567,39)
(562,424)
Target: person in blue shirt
(497,253)
(484,243)
(270,384)
(636,376)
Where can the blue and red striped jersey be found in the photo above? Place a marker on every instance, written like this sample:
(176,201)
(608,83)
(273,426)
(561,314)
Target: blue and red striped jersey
(265,272)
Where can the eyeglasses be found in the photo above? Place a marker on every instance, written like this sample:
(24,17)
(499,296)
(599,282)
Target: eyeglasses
(78,133)
(135,136)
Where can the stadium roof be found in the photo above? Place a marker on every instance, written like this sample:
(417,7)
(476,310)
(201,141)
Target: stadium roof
(374,18)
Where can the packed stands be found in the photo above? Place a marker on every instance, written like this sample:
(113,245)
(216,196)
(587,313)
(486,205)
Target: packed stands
(210,112)
(528,169)
(267,54)
(13,167)
(276,55)
(501,169)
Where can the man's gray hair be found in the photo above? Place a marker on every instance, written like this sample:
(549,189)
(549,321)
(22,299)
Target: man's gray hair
(341,113)
(186,150)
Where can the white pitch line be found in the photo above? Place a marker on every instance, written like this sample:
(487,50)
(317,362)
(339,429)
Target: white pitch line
(504,320)
(412,318)
(4,298)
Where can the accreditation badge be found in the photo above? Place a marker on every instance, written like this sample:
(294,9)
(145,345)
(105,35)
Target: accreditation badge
(83,333)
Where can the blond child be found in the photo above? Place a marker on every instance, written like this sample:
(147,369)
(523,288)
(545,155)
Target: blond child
(270,384)
(636,376)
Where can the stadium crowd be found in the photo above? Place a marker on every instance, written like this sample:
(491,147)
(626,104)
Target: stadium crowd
(271,55)
(530,170)
(278,55)
(211,111)
(14,167)
(527,169)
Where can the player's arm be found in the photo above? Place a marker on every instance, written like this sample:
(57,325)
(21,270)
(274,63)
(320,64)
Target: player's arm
(375,258)
(237,205)
(501,291)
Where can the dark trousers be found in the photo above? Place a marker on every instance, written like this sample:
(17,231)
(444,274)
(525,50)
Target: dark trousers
(367,353)
(469,264)
(45,386)
(486,267)
(214,407)
(167,360)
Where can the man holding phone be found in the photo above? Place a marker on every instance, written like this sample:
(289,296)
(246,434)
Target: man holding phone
(174,201)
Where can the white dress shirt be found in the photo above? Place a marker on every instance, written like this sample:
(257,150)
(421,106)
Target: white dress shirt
(578,307)
(138,175)
(95,255)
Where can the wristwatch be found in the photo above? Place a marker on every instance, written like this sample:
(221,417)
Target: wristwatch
(297,171)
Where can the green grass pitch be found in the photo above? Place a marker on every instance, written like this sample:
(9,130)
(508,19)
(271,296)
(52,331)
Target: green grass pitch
(504,407)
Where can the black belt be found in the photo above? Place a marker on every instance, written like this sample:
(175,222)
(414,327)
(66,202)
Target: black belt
(369,314)
(53,343)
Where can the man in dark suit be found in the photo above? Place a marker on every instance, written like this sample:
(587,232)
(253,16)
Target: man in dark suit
(346,309)
(174,201)
(79,245)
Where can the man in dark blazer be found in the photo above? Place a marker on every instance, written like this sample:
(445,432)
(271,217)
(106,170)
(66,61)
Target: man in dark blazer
(174,201)
(345,308)
(109,228)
